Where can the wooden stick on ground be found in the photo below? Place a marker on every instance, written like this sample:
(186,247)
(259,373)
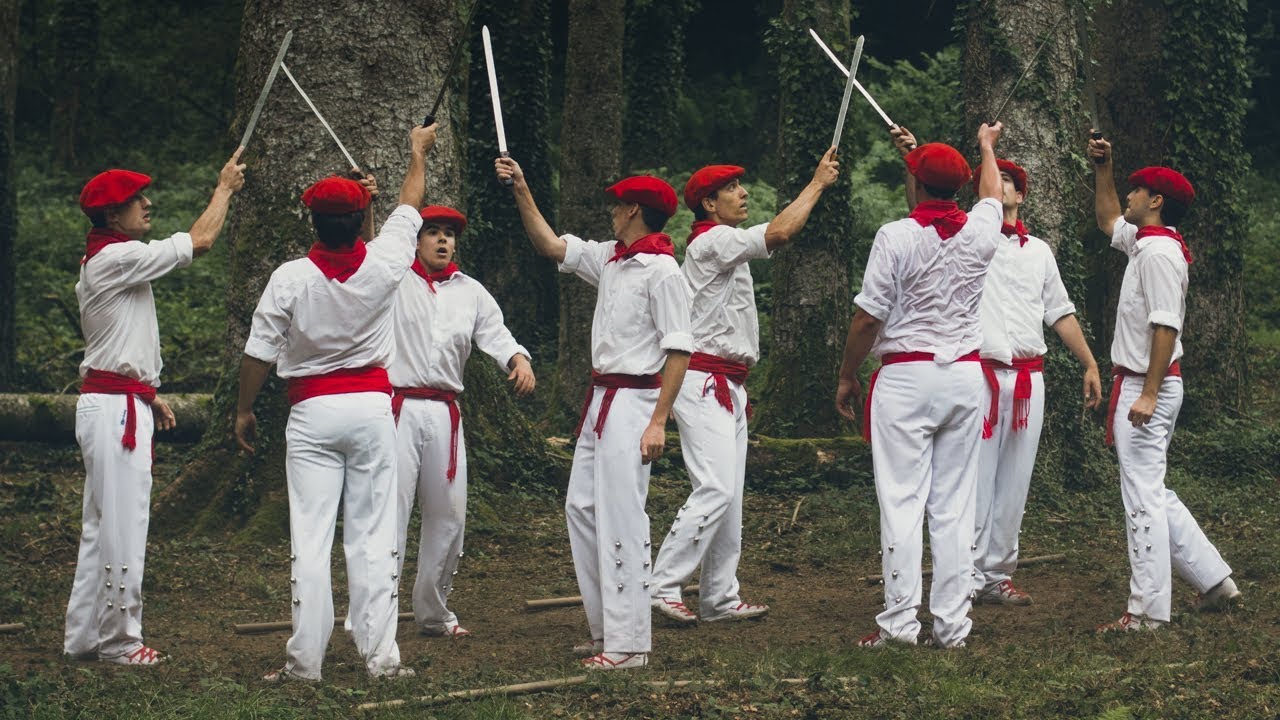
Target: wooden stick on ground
(541,685)
(266,627)
(12,628)
(572,600)
(1022,562)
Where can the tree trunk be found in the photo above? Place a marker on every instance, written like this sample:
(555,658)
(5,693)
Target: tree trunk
(1046,123)
(812,301)
(75,51)
(495,249)
(49,417)
(370,74)
(654,67)
(1189,116)
(8,194)
(591,159)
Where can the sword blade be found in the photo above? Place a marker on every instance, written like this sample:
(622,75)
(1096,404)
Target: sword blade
(493,89)
(453,64)
(1025,71)
(319,117)
(266,90)
(848,91)
(874,105)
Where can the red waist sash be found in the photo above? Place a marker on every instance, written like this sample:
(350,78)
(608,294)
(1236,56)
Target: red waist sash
(455,415)
(109,383)
(611,382)
(1021,390)
(339,382)
(894,359)
(1119,374)
(722,372)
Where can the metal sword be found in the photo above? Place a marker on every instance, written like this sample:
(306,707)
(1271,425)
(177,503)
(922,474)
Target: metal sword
(303,93)
(266,90)
(1090,92)
(856,84)
(1026,71)
(493,93)
(848,91)
(453,64)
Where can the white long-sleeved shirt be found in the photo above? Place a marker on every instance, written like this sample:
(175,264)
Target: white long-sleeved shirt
(926,290)
(309,325)
(435,331)
(723,308)
(1023,294)
(642,307)
(118,310)
(1153,292)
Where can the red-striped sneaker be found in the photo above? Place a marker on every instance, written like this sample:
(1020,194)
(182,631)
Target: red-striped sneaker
(1003,593)
(741,611)
(588,648)
(453,630)
(616,661)
(142,656)
(1130,623)
(673,609)
(873,640)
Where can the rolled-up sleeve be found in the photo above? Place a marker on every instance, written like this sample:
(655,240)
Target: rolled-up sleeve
(879,290)
(726,248)
(669,305)
(585,258)
(1162,288)
(1057,304)
(269,331)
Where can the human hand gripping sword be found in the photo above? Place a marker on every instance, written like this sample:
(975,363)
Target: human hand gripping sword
(453,64)
(848,91)
(493,93)
(266,90)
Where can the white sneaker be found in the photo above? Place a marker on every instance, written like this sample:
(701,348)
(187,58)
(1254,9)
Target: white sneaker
(454,631)
(400,672)
(673,609)
(144,656)
(1130,623)
(283,675)
(1003,593)
(741,611)
(588,648)
(616,661)
(1220,597)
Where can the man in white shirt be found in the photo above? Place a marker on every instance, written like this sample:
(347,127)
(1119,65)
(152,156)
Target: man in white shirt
(1162,535)
(114,415)
(439,313)
(711,409)
(918,313)
(641,326)
(325,321)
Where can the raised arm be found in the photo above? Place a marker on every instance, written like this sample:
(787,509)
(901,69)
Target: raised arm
(421,139)
(906,142)
(989,185)
(545,240)
(784,227)
(209,225)
(1106,202)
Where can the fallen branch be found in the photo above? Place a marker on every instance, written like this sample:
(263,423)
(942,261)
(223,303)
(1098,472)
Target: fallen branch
(12,628)
(1022,562)
(573,600)
(542,685)
(266,627)
(46,417)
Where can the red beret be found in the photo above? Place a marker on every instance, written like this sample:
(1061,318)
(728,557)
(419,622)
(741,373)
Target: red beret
(939,165)
(645,190)
(441,215)
(112,187)
(336,196)
(708,180)
(1164,181)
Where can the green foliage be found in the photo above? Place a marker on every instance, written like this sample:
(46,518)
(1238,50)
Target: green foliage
(1262,252)
(654,80)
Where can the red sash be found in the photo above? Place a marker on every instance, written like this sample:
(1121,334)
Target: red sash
(99,238)
(1119,374)
(894,359)
(109,383)
(338,264)
(455,416)
(944,215)
(652,244)
(699,227)
(339,382)
(721,372)
(1161,231)
(1021,391)
(611,382)
(432,277)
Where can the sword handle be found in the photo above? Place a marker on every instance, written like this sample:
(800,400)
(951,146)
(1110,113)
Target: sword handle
(1097,136)
(428,120)
(508,182)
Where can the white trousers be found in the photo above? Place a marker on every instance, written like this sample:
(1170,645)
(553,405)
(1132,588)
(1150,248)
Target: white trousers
(926,424)
(104,614)
(1161,533)
(707,530)
(1005,462)
(341,448)
(608,527)
(422,447)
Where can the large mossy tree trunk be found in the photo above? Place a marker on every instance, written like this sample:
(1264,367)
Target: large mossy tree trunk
(653,63)
(75,50)
(1045,125)
(8,194)
(496,249)
(591,159)
(812,297)
(370,74)
(1190,116)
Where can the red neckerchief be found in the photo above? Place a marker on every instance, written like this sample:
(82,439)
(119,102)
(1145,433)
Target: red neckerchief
(338,264)
(1015,229)
(652,244)
(433,277)
(944,215)
(699,227)
(1161,231)
(99,238)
